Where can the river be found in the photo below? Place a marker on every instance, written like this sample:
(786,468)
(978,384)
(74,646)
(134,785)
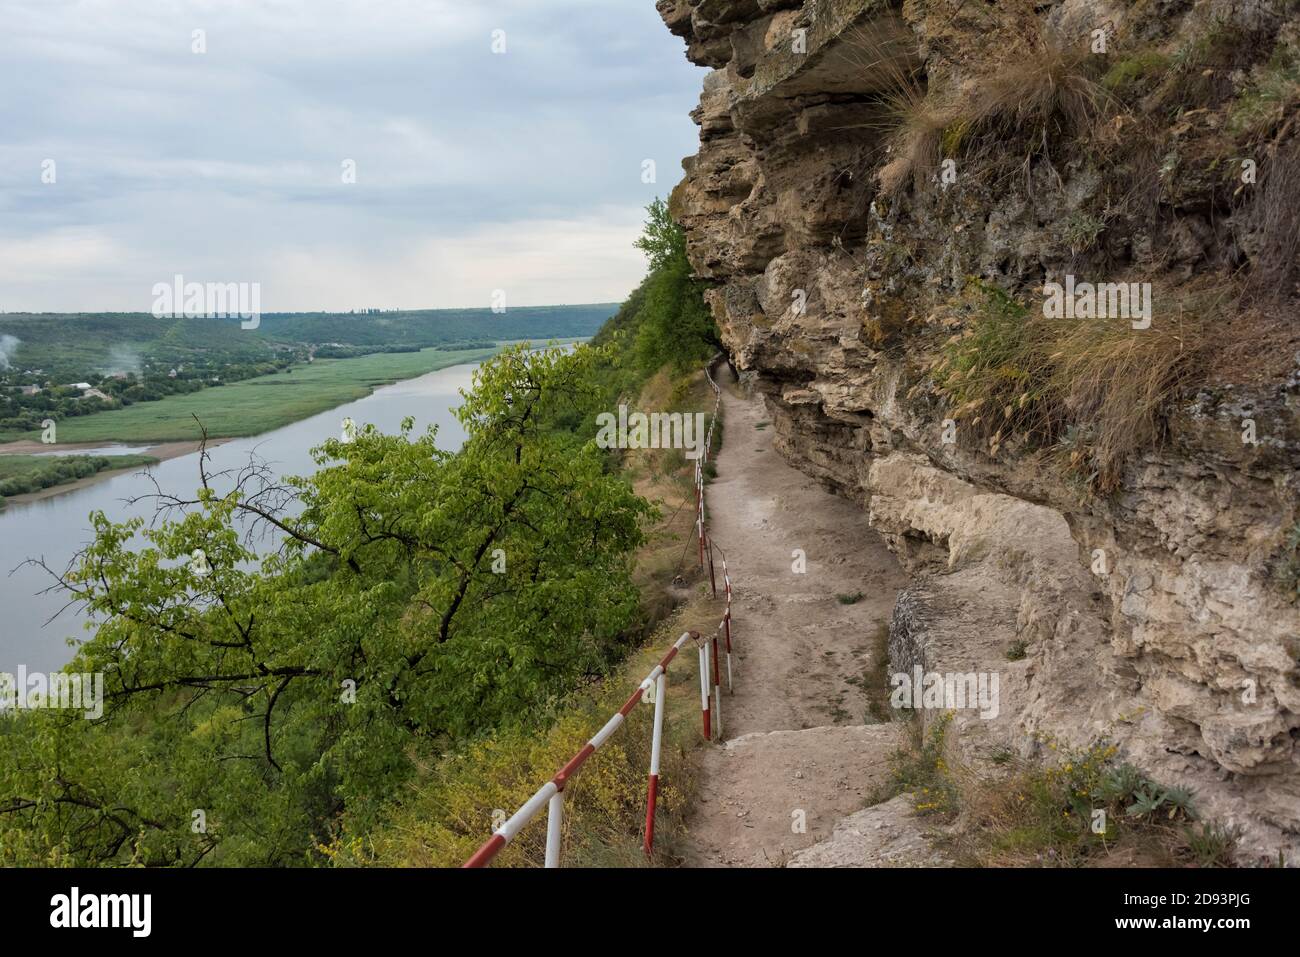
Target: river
(56,528)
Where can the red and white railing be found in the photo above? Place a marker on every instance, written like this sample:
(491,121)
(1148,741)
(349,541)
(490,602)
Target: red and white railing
(707,547)
(653,689)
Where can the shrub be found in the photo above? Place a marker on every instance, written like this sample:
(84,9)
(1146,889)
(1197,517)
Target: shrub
(920,768)
(447,814)
(1079,807)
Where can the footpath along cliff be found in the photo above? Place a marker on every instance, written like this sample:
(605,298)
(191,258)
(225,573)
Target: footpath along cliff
(1020,281)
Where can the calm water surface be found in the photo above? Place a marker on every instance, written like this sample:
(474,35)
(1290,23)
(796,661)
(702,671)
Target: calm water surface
(55,529)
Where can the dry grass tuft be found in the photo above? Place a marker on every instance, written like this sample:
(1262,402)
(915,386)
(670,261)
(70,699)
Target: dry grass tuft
(1274,224)
(1097,389)
(1040,86)
(910,116)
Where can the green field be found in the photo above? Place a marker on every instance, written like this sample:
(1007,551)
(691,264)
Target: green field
(256,405)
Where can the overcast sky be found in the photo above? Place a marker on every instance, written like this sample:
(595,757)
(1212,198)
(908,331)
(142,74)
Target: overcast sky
(475,170)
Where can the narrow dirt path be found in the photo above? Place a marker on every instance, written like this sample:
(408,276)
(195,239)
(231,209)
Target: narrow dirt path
(800,752)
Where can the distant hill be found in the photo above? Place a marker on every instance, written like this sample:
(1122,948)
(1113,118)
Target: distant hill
(431,327)
(66,344)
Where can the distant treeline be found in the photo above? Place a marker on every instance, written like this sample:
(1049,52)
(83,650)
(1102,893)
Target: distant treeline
(69,347)
(433,327)
(20,474)
(352,352)
(134,357)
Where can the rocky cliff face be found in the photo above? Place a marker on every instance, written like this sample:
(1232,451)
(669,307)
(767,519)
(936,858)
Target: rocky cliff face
(873,180)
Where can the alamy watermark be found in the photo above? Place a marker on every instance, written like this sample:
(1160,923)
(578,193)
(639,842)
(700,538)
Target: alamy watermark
(1103,300)
(976,691)
(35,690)
(203,300)
(75,909)
(653,430)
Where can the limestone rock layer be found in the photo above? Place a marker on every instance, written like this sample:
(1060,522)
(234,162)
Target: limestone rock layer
(1152,609)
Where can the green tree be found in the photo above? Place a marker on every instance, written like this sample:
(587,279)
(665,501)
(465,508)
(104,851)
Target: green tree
(673,323)
(420,596)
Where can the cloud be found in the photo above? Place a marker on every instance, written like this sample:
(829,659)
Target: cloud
(469,165)
(58,255)
(537,262)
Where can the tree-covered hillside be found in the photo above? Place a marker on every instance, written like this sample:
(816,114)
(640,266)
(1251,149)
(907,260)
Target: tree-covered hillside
(71,346)
(423,599)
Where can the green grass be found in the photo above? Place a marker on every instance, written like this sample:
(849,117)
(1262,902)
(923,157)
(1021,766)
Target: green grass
(919,768)
(1134,71)
(875,680)
(256,405)
(1272,89)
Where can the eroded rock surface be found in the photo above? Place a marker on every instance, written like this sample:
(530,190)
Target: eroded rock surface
(884,835)
(1149,615)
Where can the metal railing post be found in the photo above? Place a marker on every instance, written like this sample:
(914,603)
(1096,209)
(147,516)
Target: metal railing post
(717,687)
(554,825)
(656,743)
(704,689)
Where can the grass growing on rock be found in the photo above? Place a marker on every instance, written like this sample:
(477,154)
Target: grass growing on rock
(1274,88)
(1038,87)
(1084,809)
(1071,808)
(920,768)
(1096,389)
(876,680)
